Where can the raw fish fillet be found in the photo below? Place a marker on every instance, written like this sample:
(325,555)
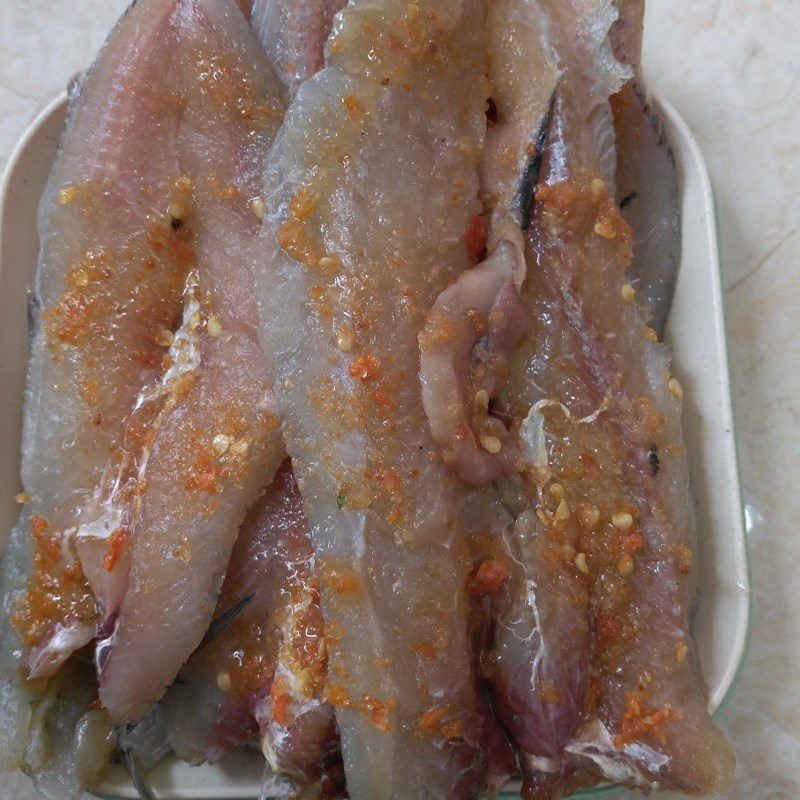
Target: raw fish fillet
(262,676)
(529,600)
(110,279)
(370,189)
(215,442)
(199,719)
(205,728)
(608,478)
(111,274)
(647,190)
(293,34)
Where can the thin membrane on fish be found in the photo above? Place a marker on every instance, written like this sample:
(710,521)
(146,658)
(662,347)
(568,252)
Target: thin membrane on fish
(216,440)
(370,189)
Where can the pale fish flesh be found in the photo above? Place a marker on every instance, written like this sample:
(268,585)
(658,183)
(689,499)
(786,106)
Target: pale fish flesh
(612,491)
(262,676)
(354,259)
(110,279)
(216,441)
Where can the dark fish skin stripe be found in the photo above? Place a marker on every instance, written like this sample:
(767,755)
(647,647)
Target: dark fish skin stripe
(225,619)
(655,122)
(530,175)
(655,462)
(34,311)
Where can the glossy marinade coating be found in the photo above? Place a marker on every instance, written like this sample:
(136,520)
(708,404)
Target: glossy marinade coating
(369,192)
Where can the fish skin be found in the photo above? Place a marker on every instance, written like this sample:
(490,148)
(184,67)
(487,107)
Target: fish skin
(293,37)
(648,195)
(345,129)
(194,493)
(145,743)
(647,723)
(647,189)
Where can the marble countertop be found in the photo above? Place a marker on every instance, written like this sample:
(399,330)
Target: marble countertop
(732,69)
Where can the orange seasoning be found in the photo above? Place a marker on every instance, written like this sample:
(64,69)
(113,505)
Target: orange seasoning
(337,696)
(58,591)
(475,238)
(281,700)
(203,475)
(582,205)
(339,579)
(425,649)
(429,721)
(355,108)
(489,577)
(118,543)
(365,367)
(641,720)
(378,711)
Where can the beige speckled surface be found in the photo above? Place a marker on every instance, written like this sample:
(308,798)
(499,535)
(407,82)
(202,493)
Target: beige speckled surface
(732,68)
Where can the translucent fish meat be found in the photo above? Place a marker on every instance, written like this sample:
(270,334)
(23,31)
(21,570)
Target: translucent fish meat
(215,442)
(262,677)
(608,479)
(110,279)
(437,283)
(109,283)
(477,322)
(528,601)
(370,189)
(197,718)
(293,34)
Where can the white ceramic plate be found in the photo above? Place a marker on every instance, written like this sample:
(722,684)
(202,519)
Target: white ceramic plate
(695,330)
